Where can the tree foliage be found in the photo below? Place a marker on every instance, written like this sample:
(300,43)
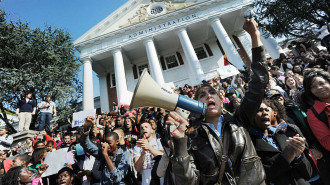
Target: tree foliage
(41,61)
(292,18)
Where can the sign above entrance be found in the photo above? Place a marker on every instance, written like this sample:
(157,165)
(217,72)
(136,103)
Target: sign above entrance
(156,9)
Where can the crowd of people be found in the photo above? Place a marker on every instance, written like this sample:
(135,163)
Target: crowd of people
(267,125)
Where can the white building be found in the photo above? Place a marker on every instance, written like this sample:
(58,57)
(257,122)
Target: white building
(179,41)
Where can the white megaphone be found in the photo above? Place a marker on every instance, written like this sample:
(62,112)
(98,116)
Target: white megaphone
(148,93)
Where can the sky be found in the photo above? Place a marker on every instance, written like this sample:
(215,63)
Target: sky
(74,16)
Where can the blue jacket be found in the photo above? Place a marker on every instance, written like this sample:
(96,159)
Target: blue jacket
(117,175)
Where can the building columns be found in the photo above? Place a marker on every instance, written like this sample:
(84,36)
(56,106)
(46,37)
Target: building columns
(155,68)
(270,44)
(121,86)
(227,44)
(88,97)
(104,100)
(195,66)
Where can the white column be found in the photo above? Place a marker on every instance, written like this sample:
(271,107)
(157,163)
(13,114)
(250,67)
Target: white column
(270,44)
(104,99)
(88,98)
(155,68)
(191,56)
(226,44)
(121,86)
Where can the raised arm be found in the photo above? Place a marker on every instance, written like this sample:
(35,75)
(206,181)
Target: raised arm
(259,78)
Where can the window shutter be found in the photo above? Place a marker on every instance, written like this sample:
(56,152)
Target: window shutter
(208,49)
(135,72)
(178,54)
(219,45)
(162,61)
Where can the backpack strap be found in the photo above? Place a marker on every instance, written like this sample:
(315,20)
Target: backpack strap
(322,117)
(118,158)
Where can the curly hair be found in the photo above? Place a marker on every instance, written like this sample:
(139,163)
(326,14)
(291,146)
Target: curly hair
(307,96)
(11,177)
(278,108)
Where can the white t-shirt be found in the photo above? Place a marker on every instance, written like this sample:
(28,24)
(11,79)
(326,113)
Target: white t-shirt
(148,160)
(49,109)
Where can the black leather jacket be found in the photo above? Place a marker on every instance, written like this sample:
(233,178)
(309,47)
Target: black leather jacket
(200,162)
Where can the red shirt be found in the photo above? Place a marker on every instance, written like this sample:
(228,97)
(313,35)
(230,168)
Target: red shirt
(320,130)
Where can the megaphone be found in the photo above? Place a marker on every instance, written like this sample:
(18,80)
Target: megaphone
(148,93)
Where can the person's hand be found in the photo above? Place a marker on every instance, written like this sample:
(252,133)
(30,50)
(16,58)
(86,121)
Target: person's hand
(105,147)
(80,174)
(251,26)
(54,115)
(42,169)
(297,143)
(88,172)
(34,112)
(176,120)
(316,154)
(144,143)
(88,123)
(68,165)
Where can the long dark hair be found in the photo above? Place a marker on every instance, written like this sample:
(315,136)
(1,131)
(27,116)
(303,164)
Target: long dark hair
(307,96)
(11,178)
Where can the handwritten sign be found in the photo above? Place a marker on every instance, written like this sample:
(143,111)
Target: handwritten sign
(79,117)
(227,71)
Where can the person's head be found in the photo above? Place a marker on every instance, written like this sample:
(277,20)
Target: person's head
(65,176)
(38,155)
(21,160)
(275,95)
(3,131)
(316,85)
(48,98)
(297,69)
(211,98)
(288,73)
(290,83)
(28,95)
(146,129)
(128,123)
(275,71)
(67,137)
(121,133)
(49,146)
(231,93)
(233,104)
(299,79)
(265,116)
(3,155)
(39,144)
(153,123)
(112,139)
(17,175)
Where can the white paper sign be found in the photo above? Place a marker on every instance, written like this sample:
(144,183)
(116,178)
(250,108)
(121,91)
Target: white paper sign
(227,71)
(55,160)
(79,117)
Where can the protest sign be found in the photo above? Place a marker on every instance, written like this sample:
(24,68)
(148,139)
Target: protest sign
(79,117)
(227,71)
(55,160)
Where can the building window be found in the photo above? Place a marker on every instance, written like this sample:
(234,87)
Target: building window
(113,80)
(171,61)
(201,53)
(142,67)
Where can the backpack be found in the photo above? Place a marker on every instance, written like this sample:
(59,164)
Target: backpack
(130,178)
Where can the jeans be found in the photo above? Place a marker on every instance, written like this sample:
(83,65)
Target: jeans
(45,117)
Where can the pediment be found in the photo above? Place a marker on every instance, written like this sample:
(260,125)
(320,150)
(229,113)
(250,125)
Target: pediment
(134,12)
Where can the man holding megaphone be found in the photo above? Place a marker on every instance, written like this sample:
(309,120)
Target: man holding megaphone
(221,146)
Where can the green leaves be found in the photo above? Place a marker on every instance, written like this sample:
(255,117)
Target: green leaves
(292,18)
(38,60)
